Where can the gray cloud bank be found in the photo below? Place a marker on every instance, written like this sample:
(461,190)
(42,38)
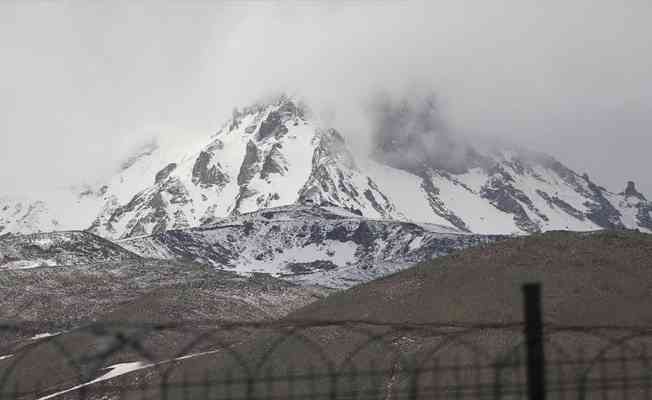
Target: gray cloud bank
(81,84)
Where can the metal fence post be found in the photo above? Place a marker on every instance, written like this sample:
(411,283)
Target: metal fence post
(534,337)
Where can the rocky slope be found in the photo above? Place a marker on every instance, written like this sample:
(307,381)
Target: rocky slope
(59,249)
(328,246)
(277,154)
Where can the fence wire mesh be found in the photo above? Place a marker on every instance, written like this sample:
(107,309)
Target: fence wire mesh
(319,360)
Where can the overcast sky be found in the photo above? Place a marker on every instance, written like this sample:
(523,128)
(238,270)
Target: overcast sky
(81,84)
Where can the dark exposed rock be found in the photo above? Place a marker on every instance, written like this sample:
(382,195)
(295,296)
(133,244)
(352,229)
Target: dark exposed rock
(265,200)
(62,248)
(564,206)
(244,193)
(316,235)
(339,233)
(235,119)
(250,164)
(602,212)
(369,195)
(498,172)
(139,229)
(178,242)
(288,109)
(506,198)
(207,175)
(363,235)
(328,181)
(354,211)
(642,205)
(644,215)
(178,192)
(150,211)
(345,187)
(372,200)
(630,191)
(272,126)
(275,162)
(248,227)
(438,206)
(309,267)
(164,173)
(375,187)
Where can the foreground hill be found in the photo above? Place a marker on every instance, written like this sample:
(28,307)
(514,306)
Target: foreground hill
(588,279)
(48,331)
(277,153)
(596,279)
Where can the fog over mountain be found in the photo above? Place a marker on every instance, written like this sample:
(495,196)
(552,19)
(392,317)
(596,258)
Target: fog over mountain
(82,85)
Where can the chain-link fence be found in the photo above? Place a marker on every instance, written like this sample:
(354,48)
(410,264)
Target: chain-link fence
(314,359)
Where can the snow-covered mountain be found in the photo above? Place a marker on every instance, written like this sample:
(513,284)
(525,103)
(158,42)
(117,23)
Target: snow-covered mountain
(276,154)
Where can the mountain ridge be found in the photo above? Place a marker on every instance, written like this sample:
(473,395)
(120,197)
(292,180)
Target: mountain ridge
(276,153)
(309,245)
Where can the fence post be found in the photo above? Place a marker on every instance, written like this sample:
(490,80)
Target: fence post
(536,384)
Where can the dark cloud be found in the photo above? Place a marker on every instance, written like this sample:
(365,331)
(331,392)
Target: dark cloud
(410,133)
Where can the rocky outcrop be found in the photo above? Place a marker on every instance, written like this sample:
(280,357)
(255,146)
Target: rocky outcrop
(635,200)
(505,197)
(601,211)
(250,165)
(555,201)
(164,173)
(207,172)
(438,206)
(306,241)
(275,162)
(59,249)
(630,191)
(272,127)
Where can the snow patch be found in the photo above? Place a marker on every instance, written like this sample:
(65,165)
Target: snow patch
(115,371)
(44,335)
(120,369)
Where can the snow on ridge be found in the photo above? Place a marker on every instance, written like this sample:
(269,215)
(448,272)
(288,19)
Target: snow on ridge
(304,240)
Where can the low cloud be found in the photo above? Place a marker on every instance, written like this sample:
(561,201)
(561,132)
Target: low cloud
(83,85)
(409,132)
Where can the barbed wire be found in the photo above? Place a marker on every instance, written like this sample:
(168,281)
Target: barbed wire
(410,360)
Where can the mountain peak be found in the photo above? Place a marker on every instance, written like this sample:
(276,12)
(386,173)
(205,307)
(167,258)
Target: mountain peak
(631,191)
(276,153)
